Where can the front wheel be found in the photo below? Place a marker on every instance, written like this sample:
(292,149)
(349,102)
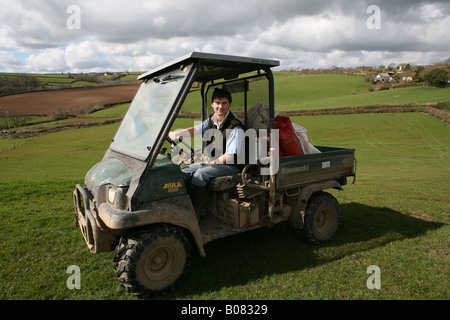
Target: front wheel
(151,261)
(321,218)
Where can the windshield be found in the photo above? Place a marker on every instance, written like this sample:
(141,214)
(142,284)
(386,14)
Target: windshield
(148,113)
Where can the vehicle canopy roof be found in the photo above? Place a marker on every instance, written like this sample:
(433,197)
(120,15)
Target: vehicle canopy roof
(216,66)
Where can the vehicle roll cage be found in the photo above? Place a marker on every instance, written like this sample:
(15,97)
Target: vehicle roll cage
(206,68)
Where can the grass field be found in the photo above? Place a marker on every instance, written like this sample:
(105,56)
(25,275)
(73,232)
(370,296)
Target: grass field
(336,90)
(396,217)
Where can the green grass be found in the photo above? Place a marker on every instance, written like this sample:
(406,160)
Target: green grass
(64,154)
(395,216)
(413,95)
(115,111)
(297,92)
(293,89)
(403,159)
(306,92)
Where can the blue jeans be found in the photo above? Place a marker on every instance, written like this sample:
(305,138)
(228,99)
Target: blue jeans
(200,176)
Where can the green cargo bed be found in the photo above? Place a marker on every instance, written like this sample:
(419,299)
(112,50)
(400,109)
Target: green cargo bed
(331,164)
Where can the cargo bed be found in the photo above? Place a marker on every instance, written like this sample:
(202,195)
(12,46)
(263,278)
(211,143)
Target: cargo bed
(331,164)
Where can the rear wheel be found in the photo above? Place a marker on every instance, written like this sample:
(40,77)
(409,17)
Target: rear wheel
(151,261)
(321,218)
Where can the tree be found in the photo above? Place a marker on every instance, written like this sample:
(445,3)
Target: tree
(11,119)
(447,62)
(419,71)
(437,77)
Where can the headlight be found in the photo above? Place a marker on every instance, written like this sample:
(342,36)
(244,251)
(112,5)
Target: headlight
(111,195)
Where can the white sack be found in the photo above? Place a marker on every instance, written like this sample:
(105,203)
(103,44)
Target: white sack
(307,147)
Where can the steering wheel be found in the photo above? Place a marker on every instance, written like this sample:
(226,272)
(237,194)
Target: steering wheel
(177,151)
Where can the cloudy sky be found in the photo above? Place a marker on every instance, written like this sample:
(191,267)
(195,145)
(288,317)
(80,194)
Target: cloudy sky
(43,36)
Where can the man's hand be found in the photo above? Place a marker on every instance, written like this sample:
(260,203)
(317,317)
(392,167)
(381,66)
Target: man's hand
(174,136)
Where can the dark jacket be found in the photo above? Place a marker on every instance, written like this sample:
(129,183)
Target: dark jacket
(229,123)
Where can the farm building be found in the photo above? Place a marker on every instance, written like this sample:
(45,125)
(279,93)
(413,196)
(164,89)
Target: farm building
(408,76)
(383,77)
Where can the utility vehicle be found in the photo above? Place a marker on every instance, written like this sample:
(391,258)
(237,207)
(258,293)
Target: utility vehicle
(136,202)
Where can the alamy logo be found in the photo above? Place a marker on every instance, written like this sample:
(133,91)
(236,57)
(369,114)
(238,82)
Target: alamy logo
(374,21)
(73,22)
(74,281)
(374,281)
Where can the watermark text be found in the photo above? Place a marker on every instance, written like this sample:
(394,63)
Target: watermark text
(255,147)
(374,281)
(74,281)
(374,21)
(73,22)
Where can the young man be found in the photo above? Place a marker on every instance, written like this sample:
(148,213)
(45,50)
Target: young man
(221,164)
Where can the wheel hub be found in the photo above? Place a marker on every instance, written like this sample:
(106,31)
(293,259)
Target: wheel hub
(159,264)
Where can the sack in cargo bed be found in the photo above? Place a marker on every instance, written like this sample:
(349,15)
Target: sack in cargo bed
(307,147)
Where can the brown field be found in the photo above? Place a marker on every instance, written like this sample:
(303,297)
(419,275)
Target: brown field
(71,100)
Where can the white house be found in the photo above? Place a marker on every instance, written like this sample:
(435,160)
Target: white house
(383,77)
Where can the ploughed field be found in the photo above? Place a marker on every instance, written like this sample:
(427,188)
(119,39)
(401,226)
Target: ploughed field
(50,102)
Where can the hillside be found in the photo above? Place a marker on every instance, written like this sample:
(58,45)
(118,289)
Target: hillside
(301,92)
(11,83)
(294,91)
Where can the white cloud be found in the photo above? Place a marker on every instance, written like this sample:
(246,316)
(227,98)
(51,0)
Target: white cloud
(430,12)
(85,56)
(159,21)
(8,61)
(46,60)
(140,34)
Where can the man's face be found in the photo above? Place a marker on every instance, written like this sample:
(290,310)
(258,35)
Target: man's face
(221,106)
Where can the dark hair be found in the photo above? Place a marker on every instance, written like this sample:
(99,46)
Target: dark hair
(221,93)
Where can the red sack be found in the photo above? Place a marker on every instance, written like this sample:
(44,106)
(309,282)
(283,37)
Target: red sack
(289,144)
